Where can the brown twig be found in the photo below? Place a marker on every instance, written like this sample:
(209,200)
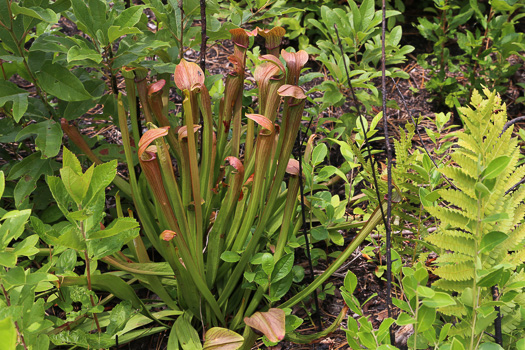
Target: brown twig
(389,178)
(204,37)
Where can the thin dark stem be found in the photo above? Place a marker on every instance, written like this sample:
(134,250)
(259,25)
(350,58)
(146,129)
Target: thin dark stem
(418,133)
(389,178)
(367,143)
(512,122)
(204,38)
(181,7)
(113,78)
(505,127)
(8,302)
(497,322)
(316,315)
(374,177)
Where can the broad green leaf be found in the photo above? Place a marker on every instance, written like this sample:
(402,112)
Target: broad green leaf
(267,263)
(13,225)
(319,154)
(230,257)
(103,175)
(9,92)
(27,246)
(439,299)
(119,316)
(15,276)
(80,215)
(425,317)
(280,288)
(60,194)
(77,53)
(29,170)
(444,332)
(496,167)
(46,15)
(188,336)
(491,278)
(84,17)
(99,248)
(70,160)
(8,333)
(496,217)
(60,82)
(481,190)
(129,17)
(75,184)
(71,237)
(319,233)
(218,338)
(282,268)
(115,32)
(350,282)
(491,240)
(270,323)
(456,345)
(425,292)
(8,259)
(117,226)
(405,319)
(49,136)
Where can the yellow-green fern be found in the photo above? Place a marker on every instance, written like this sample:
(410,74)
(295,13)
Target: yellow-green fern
(481,232)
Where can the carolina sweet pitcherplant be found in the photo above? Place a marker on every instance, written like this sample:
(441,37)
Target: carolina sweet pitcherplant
(221,218)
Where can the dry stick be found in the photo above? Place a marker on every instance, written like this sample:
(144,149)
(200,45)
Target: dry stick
(372,163)
(8,302)
(505,127)
(181,7)
(316,315)
(389,179)
(498,337)
(204,38)
(419,134)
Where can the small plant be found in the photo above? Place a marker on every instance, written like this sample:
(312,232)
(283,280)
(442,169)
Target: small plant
(480,233)
(484,50)
(361,40)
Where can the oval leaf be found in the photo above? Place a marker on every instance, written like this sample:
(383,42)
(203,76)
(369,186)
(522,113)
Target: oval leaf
(496,167)
(270,323)
(222,339)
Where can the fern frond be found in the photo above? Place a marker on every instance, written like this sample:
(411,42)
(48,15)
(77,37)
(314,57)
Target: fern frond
(518,257)
(461,242)
(468,163)
(459,199)
(453,310)
(452,286)
(450,216)
(513,180)
(453,258)
(519,213)
(469,142)
(510,322)
(463,271)
(461,329)
(461,179)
